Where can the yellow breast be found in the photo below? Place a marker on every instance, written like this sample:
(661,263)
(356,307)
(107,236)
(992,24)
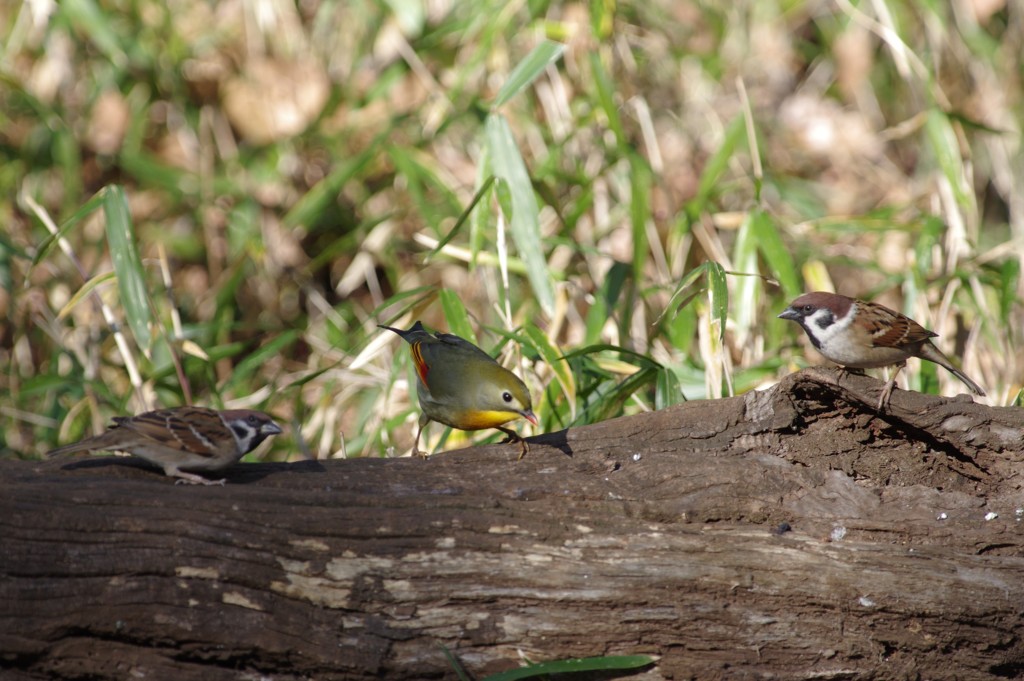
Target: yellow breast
(478,420)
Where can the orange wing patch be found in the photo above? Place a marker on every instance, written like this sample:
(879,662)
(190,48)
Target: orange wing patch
(422,369)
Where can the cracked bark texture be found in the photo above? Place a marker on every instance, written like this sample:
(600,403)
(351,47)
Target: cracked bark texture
(663,533)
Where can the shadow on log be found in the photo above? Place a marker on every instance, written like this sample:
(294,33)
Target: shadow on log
(662,534)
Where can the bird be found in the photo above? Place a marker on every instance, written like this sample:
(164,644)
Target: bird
(461,386)
(863,335)
(183,439)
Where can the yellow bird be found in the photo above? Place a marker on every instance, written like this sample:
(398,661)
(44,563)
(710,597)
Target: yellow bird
(462,386)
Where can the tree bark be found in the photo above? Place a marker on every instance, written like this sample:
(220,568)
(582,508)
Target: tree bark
(791,533)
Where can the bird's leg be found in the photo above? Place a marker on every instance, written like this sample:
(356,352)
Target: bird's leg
(513,436)
(184,478)
(416,451)
(883,400)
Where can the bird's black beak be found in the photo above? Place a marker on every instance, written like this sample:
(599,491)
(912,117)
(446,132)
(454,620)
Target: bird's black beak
(268,429)
(790,313)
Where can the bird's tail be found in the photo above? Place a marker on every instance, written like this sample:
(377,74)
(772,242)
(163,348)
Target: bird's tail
(73,448)
(975,388)
(932,353)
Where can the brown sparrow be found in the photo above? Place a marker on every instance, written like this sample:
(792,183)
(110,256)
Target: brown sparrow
(190,438)
(862,335)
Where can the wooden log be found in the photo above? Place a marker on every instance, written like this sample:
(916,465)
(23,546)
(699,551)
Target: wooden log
(662,534)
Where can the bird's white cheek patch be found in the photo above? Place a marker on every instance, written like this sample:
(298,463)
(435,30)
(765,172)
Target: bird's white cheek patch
(834,339)
(827,326)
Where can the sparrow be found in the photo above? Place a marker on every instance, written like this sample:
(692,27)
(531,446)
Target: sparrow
(862,335)
(461,386)
(183,439)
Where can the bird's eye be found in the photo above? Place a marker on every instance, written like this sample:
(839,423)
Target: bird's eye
(252,420)
(808,309)
(507,396)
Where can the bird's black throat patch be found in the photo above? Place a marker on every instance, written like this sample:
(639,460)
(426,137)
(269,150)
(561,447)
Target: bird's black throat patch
(810,334)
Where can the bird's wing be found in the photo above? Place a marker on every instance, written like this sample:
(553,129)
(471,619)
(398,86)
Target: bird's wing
(445,362)
(897,330)
(189,429)
(461,346)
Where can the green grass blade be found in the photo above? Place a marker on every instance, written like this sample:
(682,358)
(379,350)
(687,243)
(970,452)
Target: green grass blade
(508,165)
(943,142)
(574,666)
(84,291)
(411,15)
(684,283)
(131,281)
(84,211)
(667,389)
(245,369)
(456,316)
(89,19)
(8,252)
(606,98)
(307,209)
(421,297)
(1008,278)
(748,290)
(778,257)
(151,172)
(481,218)
(605,300)
(303,380)
(602,18)
(554,359)
(681,329)
(433,199)
(613,401)
(642,359)
(527,71)
(480,193)
(735,135)
(456,665)
(933,229)
(639,212)
(67,155)
(719,297)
